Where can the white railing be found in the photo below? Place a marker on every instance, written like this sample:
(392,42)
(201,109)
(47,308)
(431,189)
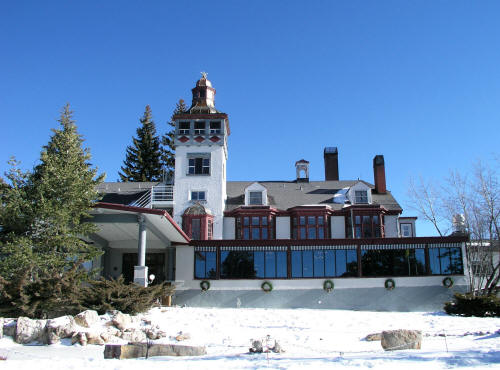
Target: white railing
(157,194)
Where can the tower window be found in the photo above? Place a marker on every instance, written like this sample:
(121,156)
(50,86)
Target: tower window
(202,93)
(199,128)
(198,195)
(199,166)
(215,127)
(255,198)
(184,128)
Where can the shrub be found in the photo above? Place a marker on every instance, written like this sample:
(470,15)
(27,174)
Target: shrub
(469,305)
(104,295)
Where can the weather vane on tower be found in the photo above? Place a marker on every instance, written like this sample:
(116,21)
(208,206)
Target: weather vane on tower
(204,75)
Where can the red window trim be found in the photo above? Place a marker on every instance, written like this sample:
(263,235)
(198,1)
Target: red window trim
(309,212)
(187,221)
(254,211)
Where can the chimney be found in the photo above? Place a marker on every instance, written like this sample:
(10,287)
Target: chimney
(331,156)
(379,174)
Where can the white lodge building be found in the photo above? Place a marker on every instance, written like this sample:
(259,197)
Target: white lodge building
(318,244)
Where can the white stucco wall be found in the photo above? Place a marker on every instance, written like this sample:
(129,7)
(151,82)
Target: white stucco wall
(337,224)
(229,228)
(283,227)
(391,226)
(214,184)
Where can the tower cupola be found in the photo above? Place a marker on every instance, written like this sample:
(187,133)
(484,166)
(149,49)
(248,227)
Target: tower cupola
(203,96)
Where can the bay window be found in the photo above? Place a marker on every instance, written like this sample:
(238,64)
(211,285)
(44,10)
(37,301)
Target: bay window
(310,226)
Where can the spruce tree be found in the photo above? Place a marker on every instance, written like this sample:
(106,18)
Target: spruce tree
(43,212)
(143,158)
(168,146)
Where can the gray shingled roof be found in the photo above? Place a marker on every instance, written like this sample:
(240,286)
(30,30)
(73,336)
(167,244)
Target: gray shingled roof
(287,194)
(281,194)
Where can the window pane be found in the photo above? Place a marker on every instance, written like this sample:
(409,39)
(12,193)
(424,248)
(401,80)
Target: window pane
(296,263)
(237,265)
(281,265)
(264,233)
(264,220)
(294,233)
(358,220)
(456,261)
(195,229)
(246,233)
(417,262)
(434,261)
(352,262)
(255,198)
(302,232)
(255,221)
(311,233)
(367,227)
(340,262)
(358,231)
(329,263)
(211,264)
(255,234)
(307,263)
(444,254)
(311,220)
(259,264)
(270,265)
(246,221)
(320,220)
(321,233)
(319,264)
(302,220)
(199,265)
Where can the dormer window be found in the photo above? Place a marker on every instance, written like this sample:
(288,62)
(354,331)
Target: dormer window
(215,127)
(199,128)
(360,197)
(183,128)
(255,198)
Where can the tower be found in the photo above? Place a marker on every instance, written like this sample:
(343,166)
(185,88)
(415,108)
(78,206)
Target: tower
(200,164)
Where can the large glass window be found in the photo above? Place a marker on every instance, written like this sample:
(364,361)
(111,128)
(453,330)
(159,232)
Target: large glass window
(253,264)
(365,226)
(309,227)
(205,265)
(324,263)
(199,166)
(446,261)
(255,227)
(393,262)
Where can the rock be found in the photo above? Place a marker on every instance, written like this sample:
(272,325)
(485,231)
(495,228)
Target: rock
(182,336)
(137,350)
(154,333)
(122,321)
(28,331)
(87,318)
(9,328)
(80,337)
(94,338)
(256,347)
(133,336)
(277,348)
(60,328)
(373,337)
(1,327)
(394,340)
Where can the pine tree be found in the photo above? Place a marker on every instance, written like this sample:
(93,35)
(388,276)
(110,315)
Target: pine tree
(168,146)
(143,158)
(43,212)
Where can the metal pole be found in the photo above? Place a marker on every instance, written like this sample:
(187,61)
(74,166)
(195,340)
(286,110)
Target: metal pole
(141,257)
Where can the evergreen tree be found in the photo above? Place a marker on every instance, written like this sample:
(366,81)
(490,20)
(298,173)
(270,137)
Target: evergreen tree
(143,157)
(42,212)
(168,146)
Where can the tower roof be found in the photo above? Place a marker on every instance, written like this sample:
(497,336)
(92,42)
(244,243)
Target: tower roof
(203,97)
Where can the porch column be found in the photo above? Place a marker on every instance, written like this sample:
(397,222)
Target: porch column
(141,271)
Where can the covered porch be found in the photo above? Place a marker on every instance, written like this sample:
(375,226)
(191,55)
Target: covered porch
(137,242)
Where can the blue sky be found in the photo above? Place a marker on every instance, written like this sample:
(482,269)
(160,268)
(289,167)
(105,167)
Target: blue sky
(416,81)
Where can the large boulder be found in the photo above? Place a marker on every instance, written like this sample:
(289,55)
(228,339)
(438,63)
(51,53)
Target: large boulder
(80,338)
(133,335)
(60,328)
(9,328)
(394,340)
(121,320)
(136,350)
(87,318)
(28,331)
(95,338)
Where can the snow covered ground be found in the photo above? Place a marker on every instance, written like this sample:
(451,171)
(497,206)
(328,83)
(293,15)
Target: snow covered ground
(311,338)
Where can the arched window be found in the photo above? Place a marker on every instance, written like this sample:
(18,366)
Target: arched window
(197,222)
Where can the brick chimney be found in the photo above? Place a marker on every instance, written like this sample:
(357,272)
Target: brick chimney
(379,174)
(331,156)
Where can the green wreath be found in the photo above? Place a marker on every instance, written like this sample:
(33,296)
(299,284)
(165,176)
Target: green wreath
(447,282)
(266,286)
(205,285)
(389,284)
(328,286)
